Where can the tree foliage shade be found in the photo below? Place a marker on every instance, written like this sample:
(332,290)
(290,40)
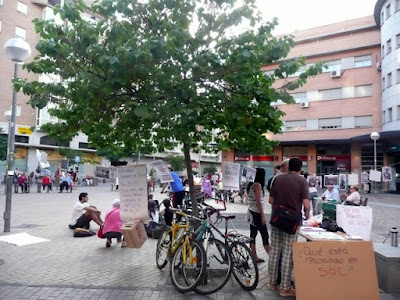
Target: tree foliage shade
(151,75)
(177,162)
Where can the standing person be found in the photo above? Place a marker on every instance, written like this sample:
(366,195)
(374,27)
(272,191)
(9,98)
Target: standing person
(256,213)
(57,177)
(76,178)
(112,224)
(83,213)
(177,189)
(289,190)
(207,187)
(37,173)
(312,189)
(276,170)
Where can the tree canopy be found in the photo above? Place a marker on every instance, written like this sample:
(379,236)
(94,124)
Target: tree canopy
(150,75)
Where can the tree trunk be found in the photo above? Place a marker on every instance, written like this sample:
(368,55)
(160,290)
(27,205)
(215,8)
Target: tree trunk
(188,162)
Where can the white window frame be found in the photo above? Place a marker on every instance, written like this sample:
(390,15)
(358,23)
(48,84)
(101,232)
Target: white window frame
(362,61)
(390,114)
(20,32)
(398,40)
(389,80)
(363,121)
(363,90)
(389,46)
(297,125)
(329,123)
(398,112)
(387,11)
(398,76)
(22,8)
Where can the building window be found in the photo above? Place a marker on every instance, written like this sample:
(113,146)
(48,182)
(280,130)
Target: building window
(332,65)
(300,97)
(390,115)
(382,17)
(383,83)
(397,5)
(383,50)
(388,46)
(398,41)
(398,76)
(20,32)
(46,140)
(387,11)
(331,123)
(48,14)
(383,117)
(295,125)
(389,79)
(1,2)
(86,146)
(22,8)
(363,90)
(363,121)
(398,112)
(362,61)
(330,94)
(301,70)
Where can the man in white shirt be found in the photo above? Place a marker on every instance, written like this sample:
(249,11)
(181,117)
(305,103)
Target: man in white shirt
(83,213)
(331,193)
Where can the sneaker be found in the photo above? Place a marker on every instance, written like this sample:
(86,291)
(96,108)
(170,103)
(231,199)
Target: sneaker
(272,286)
(287,293)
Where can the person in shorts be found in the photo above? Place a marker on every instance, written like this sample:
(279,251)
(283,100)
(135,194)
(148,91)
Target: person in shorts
(83,213)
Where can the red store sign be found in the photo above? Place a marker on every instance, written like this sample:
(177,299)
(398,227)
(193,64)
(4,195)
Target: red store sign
(332,157)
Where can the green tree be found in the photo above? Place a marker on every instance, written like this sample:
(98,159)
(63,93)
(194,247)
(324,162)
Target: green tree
(210,169)
(177,162)
(153,75)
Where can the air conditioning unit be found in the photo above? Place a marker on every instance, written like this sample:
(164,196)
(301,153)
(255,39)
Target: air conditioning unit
(304,104)
(336,73)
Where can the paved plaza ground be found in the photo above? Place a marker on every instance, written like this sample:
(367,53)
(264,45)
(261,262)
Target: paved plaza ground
(83,268)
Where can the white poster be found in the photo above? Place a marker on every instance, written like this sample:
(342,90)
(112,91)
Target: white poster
(249,173)
(364,178)
(162,171)
(386,174)
(375,175)
(315,181)
(352,179)
(230,174)
(331,180)
(133,193)
(113,174)
(355,220)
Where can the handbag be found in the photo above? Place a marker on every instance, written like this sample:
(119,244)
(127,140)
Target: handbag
(285,219)
(100,233)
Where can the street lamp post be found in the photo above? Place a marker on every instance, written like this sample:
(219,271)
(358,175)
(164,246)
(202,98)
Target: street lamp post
(18,51)
(375,136)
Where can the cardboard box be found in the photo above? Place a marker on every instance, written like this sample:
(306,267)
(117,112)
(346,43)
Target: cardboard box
(135,234)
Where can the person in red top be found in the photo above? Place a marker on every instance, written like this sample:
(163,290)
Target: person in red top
(46,181)
(23,182)
(112,224)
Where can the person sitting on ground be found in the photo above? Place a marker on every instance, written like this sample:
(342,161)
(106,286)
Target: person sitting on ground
(112,224)
(46,182)
(154,224)
(65,183)
(354,197)
(330,193)
(166,211)
(83,213)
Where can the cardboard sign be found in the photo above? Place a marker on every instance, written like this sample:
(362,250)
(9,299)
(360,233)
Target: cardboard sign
(230,175)
(355,220)
(335,270)
(133,193)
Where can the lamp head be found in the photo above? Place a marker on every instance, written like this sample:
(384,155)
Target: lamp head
(375,136)
(17,49)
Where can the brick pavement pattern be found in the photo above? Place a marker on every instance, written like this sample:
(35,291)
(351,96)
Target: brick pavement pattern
(83,268)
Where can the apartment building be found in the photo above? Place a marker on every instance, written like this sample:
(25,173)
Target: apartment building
(16,21)
(330,124)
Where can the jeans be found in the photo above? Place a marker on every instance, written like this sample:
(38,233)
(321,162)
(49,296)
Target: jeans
(313,198)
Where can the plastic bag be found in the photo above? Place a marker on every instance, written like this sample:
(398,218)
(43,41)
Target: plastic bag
(314,221)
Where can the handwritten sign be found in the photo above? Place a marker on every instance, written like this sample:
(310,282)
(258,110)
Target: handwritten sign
(113,174)
(162,171)
(133,193)
(230,175)
(355,220)
(337,270)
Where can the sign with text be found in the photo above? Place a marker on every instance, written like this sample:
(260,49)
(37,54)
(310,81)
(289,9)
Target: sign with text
(337,270)
(230,175)
(24,130)
(102,172)
(355,220)
(249,173)
(133,193)
(113,174)
(162,171)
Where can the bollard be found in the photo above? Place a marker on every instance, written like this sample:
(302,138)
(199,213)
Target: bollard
(394,233)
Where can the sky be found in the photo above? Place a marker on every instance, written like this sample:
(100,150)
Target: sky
(303,14)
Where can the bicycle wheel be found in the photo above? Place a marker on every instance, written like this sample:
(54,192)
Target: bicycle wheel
(163,249)
(245,268)
(218,269)
(187,266)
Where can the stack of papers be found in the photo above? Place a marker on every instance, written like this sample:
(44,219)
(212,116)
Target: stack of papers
(324,235)
(306,229)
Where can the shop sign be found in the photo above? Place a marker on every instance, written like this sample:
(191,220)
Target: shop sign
(24,130)
(264,158)
(333,157)
(242,158)
(302,157)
